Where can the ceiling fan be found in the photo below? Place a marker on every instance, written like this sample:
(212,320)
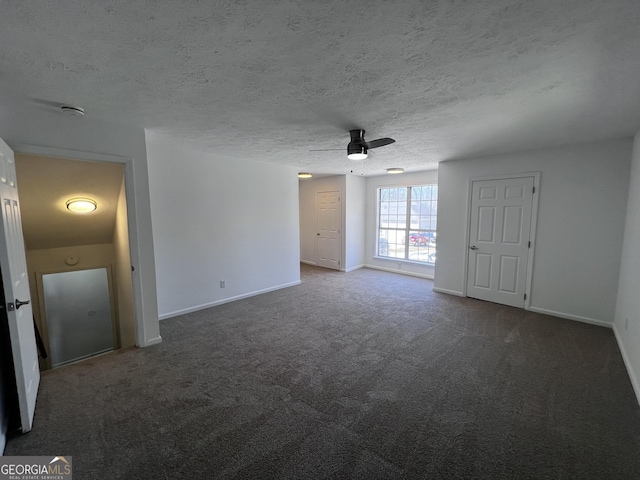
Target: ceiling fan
(358,146)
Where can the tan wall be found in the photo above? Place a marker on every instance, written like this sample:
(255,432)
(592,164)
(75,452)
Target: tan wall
(122,274)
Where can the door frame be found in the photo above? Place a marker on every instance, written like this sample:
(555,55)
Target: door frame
(532,234)
(132,219)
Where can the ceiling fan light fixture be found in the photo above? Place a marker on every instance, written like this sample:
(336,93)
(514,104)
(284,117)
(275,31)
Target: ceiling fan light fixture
(357,148)
(394,170)
(304,175)
(81,205)
(356,152)
(71,110)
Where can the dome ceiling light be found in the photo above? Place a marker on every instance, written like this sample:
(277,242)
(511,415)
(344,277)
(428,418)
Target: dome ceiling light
(81,205)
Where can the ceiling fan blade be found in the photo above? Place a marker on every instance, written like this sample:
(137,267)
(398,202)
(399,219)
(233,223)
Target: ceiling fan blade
(380,142)
(326,149)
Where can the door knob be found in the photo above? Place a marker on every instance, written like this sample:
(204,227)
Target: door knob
(19,303)
(473,247)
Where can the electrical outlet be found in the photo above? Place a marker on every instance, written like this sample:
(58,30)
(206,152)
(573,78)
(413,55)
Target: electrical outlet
(222,284)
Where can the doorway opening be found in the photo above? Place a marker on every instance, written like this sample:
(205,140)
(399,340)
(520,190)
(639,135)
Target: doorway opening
(59,241)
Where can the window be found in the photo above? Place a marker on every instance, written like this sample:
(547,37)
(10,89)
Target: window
(407,219)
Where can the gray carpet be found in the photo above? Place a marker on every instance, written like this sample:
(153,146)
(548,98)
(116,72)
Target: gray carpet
(363,375)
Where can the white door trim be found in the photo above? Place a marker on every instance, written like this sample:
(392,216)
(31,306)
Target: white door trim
(534,222)
(132,218)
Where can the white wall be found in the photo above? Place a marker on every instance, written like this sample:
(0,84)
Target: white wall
(216,220)
(582,200)
(122,273)
(355,221)
(373,183)
(34,130)
(627,316)
(307,200)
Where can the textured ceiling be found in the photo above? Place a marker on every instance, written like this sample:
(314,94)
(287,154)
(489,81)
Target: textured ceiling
(269,80)
(45,186)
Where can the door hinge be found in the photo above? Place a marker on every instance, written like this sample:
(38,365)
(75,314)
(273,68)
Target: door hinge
(525,296)
(529,243)
(534,189)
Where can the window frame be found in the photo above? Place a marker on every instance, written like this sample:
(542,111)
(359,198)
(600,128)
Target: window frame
(407,230)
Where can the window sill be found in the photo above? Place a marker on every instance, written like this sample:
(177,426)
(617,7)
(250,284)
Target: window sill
(402,260)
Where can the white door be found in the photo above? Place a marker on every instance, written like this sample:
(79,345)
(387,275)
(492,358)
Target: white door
(16,290)
(499,232)
(328,229)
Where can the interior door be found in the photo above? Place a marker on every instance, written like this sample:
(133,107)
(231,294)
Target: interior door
(328,229)
(499,236)
(16,289)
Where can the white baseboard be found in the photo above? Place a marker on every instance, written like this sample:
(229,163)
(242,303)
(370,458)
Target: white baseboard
(569,316)
(308,263)
(448,292)
(354,268)
(204,306)
(153,341)
(544,311)
(627,363)
(401,272)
